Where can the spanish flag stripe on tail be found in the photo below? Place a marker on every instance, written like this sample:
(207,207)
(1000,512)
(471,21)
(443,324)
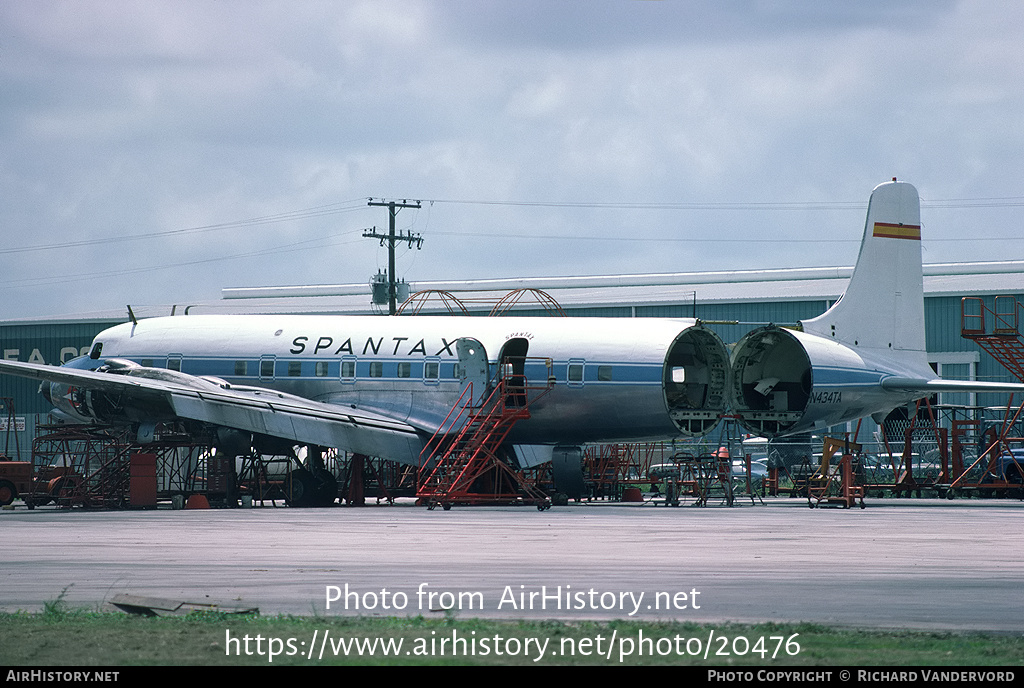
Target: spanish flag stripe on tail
(891,231)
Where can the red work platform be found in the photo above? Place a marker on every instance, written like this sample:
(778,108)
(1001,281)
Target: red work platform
(462,464)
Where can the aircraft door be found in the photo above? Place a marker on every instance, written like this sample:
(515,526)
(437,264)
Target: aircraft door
(512,369)
(473,365)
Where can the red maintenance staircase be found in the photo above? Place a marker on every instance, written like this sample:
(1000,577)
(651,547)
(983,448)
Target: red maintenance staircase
(996,329)
(461,463)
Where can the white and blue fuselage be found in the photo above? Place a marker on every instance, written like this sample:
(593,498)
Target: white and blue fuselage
(609,379)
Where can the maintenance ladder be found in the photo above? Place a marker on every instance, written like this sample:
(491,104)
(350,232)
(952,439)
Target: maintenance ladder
(461,464)
(996,329)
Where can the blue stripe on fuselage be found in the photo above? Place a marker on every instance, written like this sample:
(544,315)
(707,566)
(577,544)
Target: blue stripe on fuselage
(224,367)
(833,376)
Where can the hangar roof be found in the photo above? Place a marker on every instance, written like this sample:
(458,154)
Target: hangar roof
(746,286)
(799,284)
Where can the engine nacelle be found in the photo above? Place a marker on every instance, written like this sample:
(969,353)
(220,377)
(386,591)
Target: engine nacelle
(786,382)
(83,405)
(68,400)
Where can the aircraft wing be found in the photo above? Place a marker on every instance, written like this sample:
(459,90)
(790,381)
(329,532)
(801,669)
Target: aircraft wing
(244,408)
(933,385)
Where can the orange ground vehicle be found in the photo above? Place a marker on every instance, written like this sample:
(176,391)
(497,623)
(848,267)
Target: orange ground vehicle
(16,480)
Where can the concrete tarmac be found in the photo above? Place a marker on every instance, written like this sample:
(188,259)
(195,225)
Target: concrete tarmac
(906,563)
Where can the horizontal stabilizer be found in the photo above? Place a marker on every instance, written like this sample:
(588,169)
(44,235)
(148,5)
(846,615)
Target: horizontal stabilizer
(908,384)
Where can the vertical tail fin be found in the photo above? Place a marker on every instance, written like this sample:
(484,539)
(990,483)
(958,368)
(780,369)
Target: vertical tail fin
(883,306)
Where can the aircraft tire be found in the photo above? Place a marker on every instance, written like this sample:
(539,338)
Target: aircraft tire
(300,488)
(8,492)
(326,490)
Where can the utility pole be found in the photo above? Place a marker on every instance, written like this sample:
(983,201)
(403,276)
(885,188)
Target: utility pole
(390,238)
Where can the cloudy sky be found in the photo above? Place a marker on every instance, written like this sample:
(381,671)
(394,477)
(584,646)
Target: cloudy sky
(156,152)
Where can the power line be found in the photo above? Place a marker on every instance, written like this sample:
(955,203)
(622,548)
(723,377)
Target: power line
(276,250)
(306,213)
(808,205)
(697,240)
(999,202)
(357,204)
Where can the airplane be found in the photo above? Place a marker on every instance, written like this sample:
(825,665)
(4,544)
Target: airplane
(382,386)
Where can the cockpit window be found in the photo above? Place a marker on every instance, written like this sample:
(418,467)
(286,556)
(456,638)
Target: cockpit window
(97,349)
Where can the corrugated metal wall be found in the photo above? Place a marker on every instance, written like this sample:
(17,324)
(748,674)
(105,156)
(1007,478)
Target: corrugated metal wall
(50,343)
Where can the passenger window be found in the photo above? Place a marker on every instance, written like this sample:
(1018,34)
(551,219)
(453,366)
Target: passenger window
(376,369)
(404,369)
(604,373)
(174,363)
(267,367)
(431,370)
(348,370)
(241,368)
(575,373)
(321,368)
(294,369)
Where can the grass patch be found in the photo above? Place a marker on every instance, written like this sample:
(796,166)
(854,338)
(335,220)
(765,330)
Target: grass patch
(64,636)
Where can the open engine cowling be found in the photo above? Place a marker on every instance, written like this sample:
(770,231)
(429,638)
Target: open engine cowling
(86,405)
(695,381)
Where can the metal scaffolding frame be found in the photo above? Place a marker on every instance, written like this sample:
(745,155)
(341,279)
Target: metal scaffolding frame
(91,465)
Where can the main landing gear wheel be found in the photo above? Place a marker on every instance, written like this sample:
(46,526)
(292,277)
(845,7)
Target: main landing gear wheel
(326,487)
(300,488)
